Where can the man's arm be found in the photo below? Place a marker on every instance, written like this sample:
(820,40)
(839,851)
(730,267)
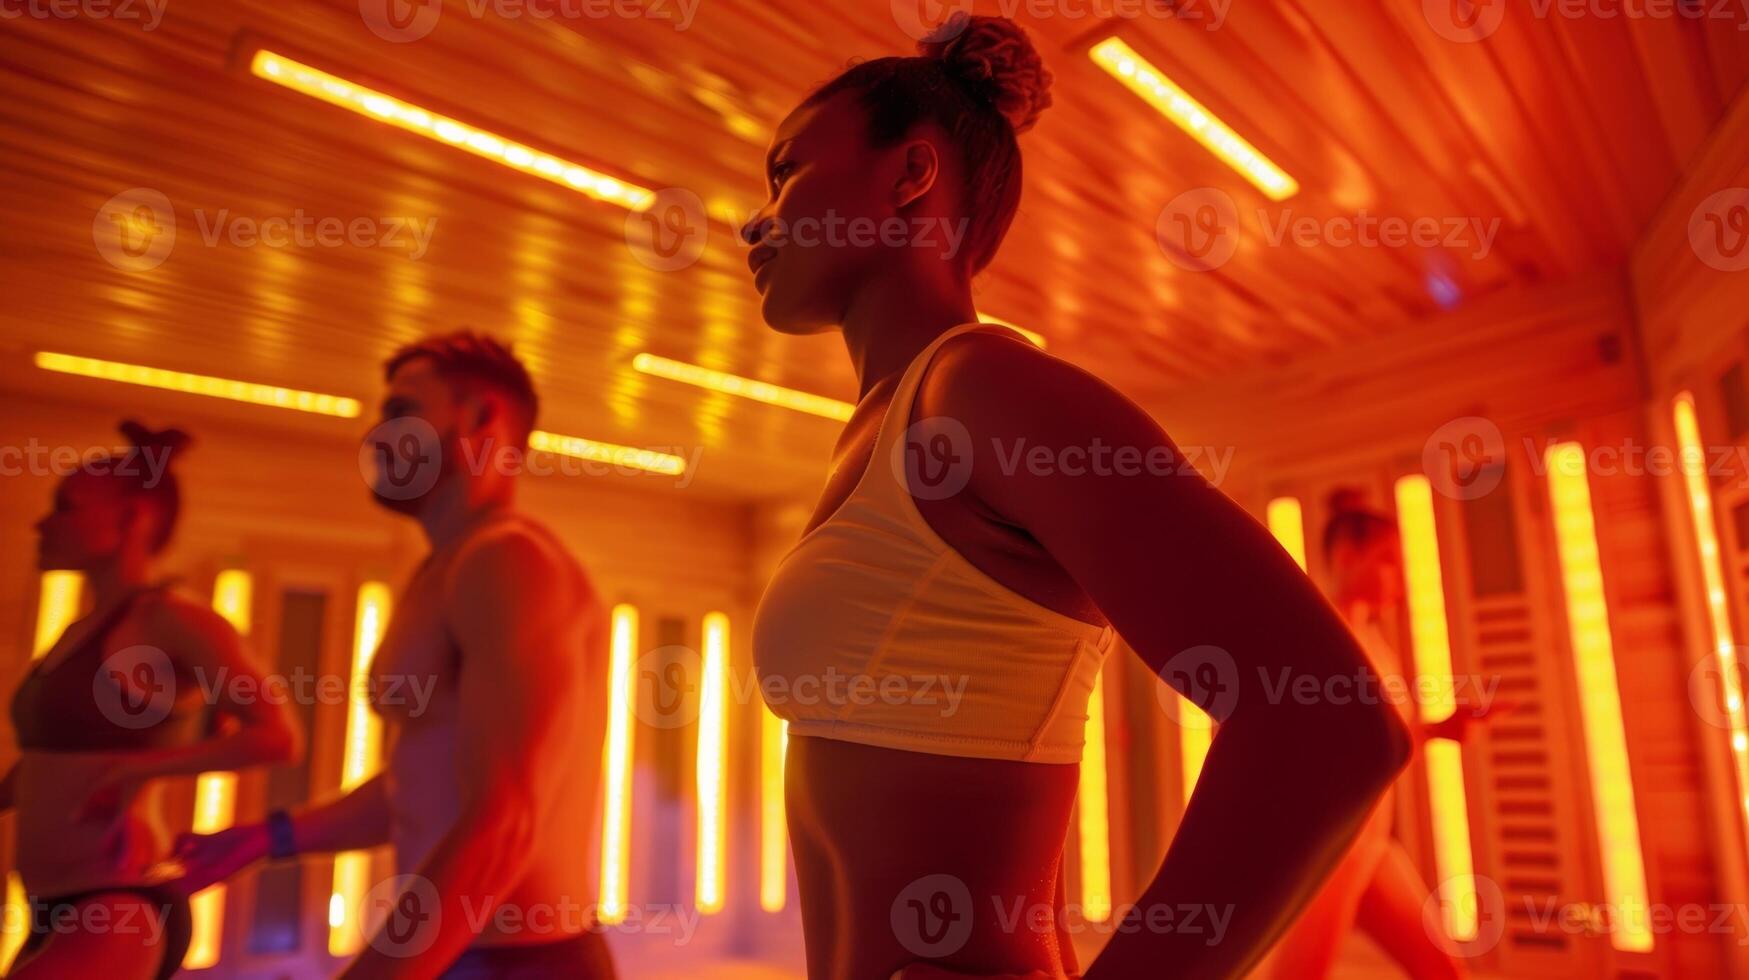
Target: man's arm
(514,617)
(351,822)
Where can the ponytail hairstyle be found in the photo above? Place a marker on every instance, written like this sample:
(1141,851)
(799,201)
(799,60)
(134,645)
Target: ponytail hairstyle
(1352,522)
(982,82)
(145,473)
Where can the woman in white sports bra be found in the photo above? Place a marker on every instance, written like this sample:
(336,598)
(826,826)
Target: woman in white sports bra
(1376,885)
(993,519)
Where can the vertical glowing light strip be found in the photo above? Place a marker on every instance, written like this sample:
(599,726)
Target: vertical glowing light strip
(17,924)
(616,770)
(1612,788)
(215,793)
(1700,511)
(362,747)
(1430,645)
(1288,523)
(1091,803)
(1196,732)
(56,608)
(773,834)
(712,735)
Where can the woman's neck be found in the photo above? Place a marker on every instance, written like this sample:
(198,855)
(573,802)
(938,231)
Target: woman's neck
(113,580)
(892,317)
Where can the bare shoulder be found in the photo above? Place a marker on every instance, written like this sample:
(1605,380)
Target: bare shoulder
(520,563)
(167,611)
(1004,387)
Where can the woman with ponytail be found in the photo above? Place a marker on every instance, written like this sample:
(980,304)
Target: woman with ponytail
(120,700)
(994,519)
(1376,886)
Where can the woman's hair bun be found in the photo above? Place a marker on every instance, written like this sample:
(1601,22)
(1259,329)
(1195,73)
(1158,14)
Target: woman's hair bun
(171,441)
(1347,500)
(995,60)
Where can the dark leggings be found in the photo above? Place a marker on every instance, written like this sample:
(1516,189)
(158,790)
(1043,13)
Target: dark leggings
(51,916)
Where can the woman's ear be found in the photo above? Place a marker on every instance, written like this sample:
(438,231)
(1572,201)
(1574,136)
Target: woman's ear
(922,165)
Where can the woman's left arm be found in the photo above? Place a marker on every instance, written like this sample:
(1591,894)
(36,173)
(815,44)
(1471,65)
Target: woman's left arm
(255,728)
(1179,569)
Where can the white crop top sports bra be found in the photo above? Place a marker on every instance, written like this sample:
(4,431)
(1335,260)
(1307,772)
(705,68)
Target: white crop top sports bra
(875,630)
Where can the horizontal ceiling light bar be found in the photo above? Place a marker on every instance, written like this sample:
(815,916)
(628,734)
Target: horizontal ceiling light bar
(1154,88)
(332,405)
(318,84)
(272,396)
(734,384)
(607,452)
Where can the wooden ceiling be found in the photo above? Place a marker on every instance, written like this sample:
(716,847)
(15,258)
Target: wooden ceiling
(1569,130)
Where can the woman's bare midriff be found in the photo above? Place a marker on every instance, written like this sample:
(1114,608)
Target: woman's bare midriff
(906,856)
(61,852)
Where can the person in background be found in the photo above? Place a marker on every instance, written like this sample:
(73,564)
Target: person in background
(117,703)
(967,532)
(489,784)
(1377,885)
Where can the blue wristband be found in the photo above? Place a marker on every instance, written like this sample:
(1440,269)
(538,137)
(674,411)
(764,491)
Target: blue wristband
(279,836)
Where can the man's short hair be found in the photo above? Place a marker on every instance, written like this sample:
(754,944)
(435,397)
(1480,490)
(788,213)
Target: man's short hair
(472,361)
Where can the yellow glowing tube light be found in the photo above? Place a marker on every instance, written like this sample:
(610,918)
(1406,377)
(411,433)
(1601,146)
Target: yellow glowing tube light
(233,597)
(1430,635)
(57,605)
(1038,339)
(1196,732)
(200,384)
(367,102)
(215,793)
(606,452)
(616,769)
(1430,631)
(1154,88)
(713,734)
(1288,523)
(17,922)
(1700,510)
(1612,789)
(1093,807)
(773,834)
(362,750)
(734,384)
